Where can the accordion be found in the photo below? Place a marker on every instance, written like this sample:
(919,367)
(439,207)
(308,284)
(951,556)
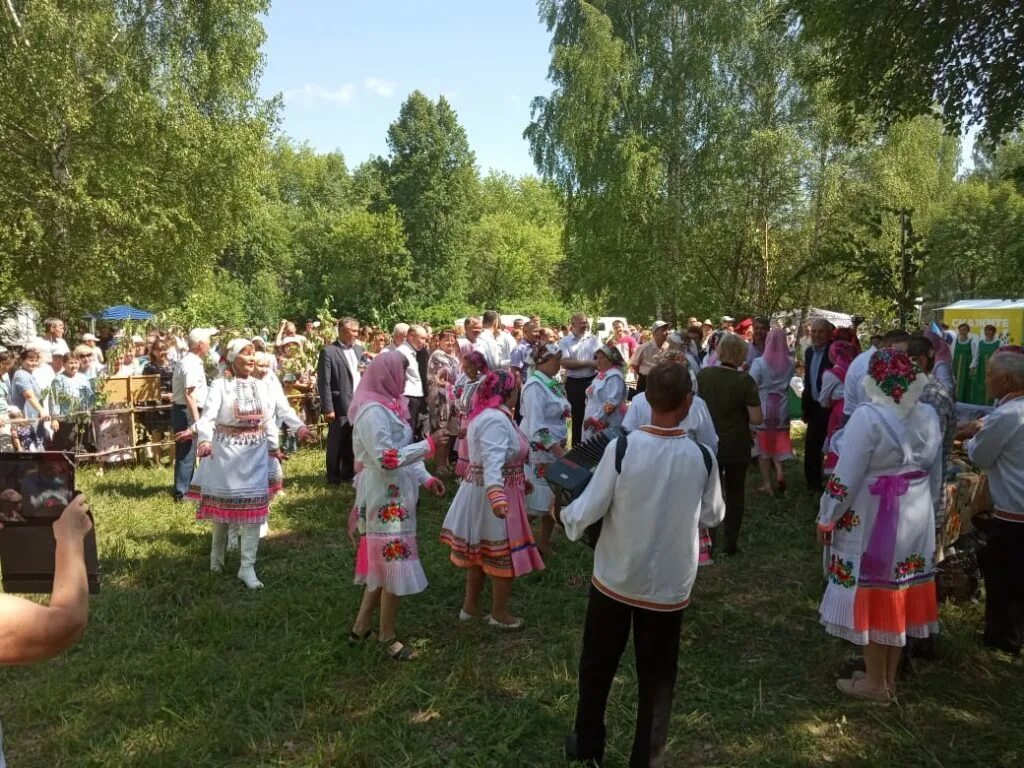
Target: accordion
(569,475)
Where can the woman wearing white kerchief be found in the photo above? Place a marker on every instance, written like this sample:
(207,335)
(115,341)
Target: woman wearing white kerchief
(606,396)
(237,434)
(877,515)
(545,412)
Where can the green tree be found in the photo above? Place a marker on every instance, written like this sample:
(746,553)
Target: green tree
(431,179)
(133,135)
(897,59)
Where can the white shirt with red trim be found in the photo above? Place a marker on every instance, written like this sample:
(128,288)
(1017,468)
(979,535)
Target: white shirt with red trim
(648,550)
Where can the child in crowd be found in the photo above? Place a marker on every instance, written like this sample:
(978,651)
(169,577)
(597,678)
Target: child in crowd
(651,498)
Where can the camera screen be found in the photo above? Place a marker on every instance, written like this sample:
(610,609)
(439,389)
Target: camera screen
(35,486)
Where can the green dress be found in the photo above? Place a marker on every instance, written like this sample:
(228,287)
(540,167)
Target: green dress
(985,350)
(963,351)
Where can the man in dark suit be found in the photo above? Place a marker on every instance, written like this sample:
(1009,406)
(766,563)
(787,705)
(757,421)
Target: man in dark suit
(337,375)
(816,362)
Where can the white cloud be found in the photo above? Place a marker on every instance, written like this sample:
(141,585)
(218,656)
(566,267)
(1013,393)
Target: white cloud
(379,86)
(313,93)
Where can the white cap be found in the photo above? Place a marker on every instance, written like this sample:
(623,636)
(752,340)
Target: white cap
(727,319)
(88,337)
(292,340)
(658,324)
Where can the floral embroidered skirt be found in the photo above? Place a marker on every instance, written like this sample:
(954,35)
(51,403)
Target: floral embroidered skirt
(502,548)
(538,502)
(889,610)
(388,555)
(233,484)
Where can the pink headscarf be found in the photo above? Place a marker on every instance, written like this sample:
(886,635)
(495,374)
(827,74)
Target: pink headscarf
(776,352)
(841,353)
(492,391)
(383,383)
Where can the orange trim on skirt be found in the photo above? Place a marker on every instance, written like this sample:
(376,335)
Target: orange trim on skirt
(893,610)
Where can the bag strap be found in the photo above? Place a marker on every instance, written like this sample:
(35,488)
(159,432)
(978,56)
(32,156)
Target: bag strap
(620,451)
(706,455)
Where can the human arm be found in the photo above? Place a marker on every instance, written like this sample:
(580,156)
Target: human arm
(712,505)
(206,421)
(704,427)
(323,382)
(997,429)
(31,632)
(859,439)
(374,428)
(753,399)
(534,403)
(974,354)
(614,394)
(596,499)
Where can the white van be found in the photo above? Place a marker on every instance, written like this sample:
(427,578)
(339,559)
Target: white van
(602,326)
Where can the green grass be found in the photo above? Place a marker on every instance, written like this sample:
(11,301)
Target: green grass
(183,668)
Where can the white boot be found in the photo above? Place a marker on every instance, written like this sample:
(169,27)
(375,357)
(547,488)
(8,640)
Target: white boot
(233,536)
(250,544)
(220,537)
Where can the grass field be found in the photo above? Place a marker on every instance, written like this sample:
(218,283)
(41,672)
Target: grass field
(183,668)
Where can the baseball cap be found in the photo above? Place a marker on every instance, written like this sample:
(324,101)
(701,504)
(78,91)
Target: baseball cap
(727,319)
(88,337)
(658,325)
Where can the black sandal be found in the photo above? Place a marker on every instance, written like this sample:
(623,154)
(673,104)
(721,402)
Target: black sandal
(396,650)
(354,638)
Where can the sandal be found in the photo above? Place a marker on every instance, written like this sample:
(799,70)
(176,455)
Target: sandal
(396,650)
(356,638)
(493,622)
(855,688)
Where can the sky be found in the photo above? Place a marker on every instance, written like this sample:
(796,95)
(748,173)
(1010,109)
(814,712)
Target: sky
(344,67)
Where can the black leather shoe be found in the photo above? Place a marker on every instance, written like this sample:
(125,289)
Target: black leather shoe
(572,752)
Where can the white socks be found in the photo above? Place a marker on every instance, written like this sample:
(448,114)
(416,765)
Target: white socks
(250,544)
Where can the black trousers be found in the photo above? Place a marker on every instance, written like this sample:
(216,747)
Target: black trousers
(641,382)
(417,406)
(734,492)
(814,443)
(1001,562)
(576,394)
(340,459)
(656,646)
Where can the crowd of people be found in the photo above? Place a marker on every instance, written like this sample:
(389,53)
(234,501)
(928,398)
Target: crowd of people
(492,408)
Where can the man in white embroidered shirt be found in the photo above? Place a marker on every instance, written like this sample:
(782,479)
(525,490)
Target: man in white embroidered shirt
(645,564)
(998,448)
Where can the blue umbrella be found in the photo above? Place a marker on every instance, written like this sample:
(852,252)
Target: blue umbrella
(123,312)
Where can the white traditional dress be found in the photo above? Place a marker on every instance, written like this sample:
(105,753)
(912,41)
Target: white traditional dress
(232,484)
(387,492)
(478,538)
(545,414)
(463,399)
(878,505)
(773,440)
(606,402)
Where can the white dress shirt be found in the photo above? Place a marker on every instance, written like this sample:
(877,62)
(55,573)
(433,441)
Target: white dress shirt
(413,382)
(189,372)
(582,349)
(998,448)
(349,353)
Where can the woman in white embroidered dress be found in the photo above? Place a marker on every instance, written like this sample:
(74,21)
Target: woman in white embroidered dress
(237,435)
(606,396)
(545,412)
(772,372)
(390,474)
(878,518)
(474,368)
(486,526)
